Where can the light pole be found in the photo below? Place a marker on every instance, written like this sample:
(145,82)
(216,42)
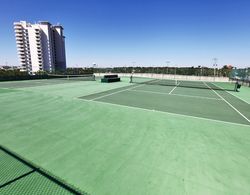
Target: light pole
(175,71)
(134,63)
(94,66)
(215,60)
(167,62)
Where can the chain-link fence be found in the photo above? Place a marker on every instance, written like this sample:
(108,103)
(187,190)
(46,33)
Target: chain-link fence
(241,75)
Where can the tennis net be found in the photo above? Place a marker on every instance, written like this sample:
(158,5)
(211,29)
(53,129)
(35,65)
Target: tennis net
(228,86)
(87,77)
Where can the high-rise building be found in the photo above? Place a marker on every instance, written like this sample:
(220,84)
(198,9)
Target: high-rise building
(41,46)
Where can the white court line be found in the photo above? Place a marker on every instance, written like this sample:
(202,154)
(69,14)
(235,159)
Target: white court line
(119,91)
(191,96)
(229,104)
(4,88)
(114,93)
(232,94)
(237,97)
(173,89)
(163,112)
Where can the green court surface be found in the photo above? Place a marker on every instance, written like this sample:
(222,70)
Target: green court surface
(19,176)
(244,94)
(195,102)
(122,138)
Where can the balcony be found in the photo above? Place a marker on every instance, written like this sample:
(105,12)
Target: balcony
(19,42)
(19,46)
(19,36)
(18,26)
(22,57)
(21,51)
(19,39)
(18,31)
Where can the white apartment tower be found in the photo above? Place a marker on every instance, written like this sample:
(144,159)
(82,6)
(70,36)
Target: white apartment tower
(40,46)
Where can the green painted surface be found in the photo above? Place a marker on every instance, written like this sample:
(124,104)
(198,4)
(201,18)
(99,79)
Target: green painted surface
(10,168)
(76,89)
(195,92)
(3,90)
(188,101)
(33,183)
(186,83)
(242,106)
(17,177)
(110,149)
(244,94)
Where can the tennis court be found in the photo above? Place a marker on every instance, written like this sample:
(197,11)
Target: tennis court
(123,138)
(43,82)
(196,100)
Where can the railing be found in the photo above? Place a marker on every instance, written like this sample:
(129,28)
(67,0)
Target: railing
(18,26)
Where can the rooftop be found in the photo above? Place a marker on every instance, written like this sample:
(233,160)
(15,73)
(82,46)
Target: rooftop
(123,138)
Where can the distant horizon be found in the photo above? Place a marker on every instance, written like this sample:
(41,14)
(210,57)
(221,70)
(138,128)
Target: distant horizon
(170,66)
(138,33)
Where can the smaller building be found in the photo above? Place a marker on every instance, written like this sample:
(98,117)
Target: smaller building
(6,67)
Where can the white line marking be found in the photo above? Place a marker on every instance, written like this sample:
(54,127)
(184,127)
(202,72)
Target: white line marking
(229,104)
(163,112)
(173,89)
(119,91)
(114,93)
(4,88)
(232,94)
(238,97)
(191,96)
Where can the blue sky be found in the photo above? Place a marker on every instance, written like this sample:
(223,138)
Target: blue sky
(119,32)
